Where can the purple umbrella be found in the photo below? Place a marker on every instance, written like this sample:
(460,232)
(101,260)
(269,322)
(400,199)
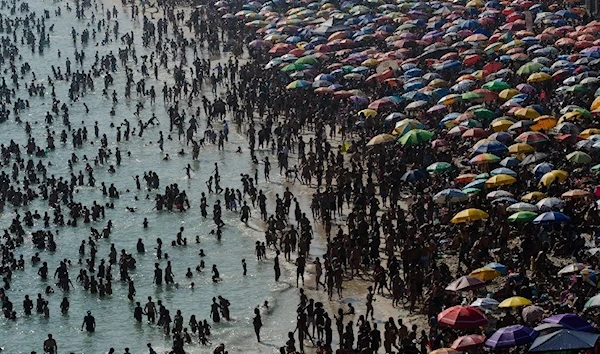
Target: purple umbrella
(511,336)
(570,321)
(526,88)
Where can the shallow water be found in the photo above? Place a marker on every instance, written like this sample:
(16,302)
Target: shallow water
(114,314)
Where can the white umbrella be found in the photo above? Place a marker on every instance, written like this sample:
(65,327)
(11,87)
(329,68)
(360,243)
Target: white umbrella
(550,203)
(522,206)
(485,303)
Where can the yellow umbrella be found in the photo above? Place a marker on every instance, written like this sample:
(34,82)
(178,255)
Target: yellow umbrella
(380,139)
(589,132)
(520,148)
(438,83)
(554,175)
(526,113)
(502,125)
(596,104)
(475,3)
(485,274)
(467,215)
(500,180)
(543,123)
(538,77)
(573,115)
(369,113)
(507,94)
(533,196)
(515,301)
(370,62)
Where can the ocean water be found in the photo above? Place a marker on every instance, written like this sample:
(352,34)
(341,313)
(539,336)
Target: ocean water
(114,314)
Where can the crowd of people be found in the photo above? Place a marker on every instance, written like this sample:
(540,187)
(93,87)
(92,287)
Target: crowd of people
(409,194)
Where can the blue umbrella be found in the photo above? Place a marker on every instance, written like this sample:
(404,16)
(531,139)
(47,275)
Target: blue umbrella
(511,336)
(500,268)
(469,24)
(449,65)
(503,171)
(412,175)
(478,183)
(450,196)
(564,340)
(570,321)
(551,217)
(542,168)
(510,162)
(493,147)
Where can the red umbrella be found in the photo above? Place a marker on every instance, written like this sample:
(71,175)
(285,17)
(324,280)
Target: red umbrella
(475,133)
(462,317)
(467,342)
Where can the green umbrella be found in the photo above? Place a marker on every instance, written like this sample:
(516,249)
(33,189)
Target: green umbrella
(439,167)
(471,190)
(522,216)
(584,112)
(595,168)
(576,89)
(414,137)
(484,175)
(309,59)
(496,85)
(530,68)
(469,96)
(579,157)
(484,113)
(295,67)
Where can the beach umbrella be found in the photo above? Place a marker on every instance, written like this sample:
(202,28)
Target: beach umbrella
(575,193)
(496,85)
(594,301)
(501,125)
(520,148)
(527,113)
(492,147)
(554,176)
(499,194)
(298,84)
(415,137)
(511,336)
(469,215)
(530,68)
(462,317)
(522,216)
(510,162)
(484,159)
(532,313)
(551,217)
(538,77)
(477,184)
(570,321)
(468,342)
(532,138)
(579,157)
(465,283)
(564,340)
(515,301)
(501,268)
(412,175)
(500,180)
(381,139)
(485,274)
(572,268)
(544,123)
(521,206)
(486,303)
(507,94)
(404,126)
(542,168)
(503,171)
(533,196)
(549,203)
(450,196)
(439,167)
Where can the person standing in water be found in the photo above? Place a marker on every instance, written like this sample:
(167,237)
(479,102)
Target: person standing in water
(50,346)
(257,323)
(214,310)
(89,322)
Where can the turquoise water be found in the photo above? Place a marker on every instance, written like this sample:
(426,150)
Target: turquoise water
(114,314)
